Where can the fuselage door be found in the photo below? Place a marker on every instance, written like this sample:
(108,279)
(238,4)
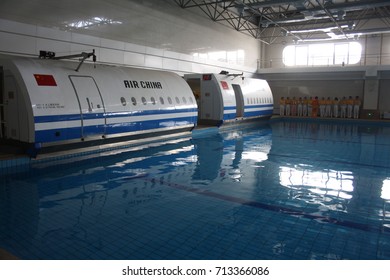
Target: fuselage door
(11,111)
(239,101)
(91,104)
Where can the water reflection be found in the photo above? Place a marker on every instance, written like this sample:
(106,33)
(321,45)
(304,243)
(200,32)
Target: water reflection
(333,166)
(386,190)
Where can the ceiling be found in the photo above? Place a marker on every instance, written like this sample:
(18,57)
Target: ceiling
(271,21)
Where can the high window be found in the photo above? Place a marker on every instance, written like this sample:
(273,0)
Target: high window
(322,54)
(231,57)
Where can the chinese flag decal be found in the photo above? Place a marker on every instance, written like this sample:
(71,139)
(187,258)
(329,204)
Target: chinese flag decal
(224,85)
(45,80)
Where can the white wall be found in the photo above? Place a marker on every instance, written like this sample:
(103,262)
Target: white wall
(369,79)
(158,35)
(321,84)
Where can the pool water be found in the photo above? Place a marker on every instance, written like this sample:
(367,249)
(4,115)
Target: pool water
(287,189)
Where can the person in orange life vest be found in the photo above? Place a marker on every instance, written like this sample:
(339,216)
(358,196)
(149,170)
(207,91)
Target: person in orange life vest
(288,106)
(309,106)
(293,106)
(304,106)
(336,107)
(300,107)
(328,108)
(322,103)
(350,107)
(282,104)
(356,107)
(343,108)
(315,105)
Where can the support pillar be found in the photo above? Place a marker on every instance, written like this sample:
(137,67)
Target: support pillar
(371,95)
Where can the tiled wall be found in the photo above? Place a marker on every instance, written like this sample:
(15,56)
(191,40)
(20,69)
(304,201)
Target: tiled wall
(14,165)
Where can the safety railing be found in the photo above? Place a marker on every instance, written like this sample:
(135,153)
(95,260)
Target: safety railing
(365,60)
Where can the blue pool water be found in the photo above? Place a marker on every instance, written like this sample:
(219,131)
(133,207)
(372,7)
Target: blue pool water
(283,190)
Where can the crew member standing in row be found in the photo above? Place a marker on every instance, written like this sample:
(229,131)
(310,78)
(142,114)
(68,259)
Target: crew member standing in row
(309,106)
(293,106)
(288,106)
(336,107)
(328,108)
(356,107)
(350,104)
(322,103)
(315,105)
(300,107)
(343,108)
(282,103)
(304,106)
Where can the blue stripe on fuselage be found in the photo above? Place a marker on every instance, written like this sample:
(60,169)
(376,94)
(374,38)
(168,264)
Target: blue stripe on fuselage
(61,134)
(90,116)
(125,125)
(261,112)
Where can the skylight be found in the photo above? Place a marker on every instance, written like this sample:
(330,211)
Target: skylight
(91,22)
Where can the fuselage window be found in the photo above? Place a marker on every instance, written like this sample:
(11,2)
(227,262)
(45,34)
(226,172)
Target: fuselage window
(191,100)
(162,100)
(134,101)
(169,100)
(177,100)
(153,100)
(143,100)
(123,101)
(184,100)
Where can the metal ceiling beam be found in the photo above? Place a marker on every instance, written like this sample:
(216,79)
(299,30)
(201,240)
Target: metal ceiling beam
(332,18)
(272,3)
(279,18)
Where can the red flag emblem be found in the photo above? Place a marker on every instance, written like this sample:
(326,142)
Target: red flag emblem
(45,80)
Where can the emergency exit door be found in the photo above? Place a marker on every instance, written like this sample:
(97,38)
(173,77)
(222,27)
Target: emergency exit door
(10,106)
(239,101)
(92,110)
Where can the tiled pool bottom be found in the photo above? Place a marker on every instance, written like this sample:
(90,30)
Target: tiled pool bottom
(288,190)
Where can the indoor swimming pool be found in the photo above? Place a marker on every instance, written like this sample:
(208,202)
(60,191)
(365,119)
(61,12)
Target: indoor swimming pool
(287,189)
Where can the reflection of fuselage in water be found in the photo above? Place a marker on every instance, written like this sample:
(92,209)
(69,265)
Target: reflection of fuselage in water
(221,155)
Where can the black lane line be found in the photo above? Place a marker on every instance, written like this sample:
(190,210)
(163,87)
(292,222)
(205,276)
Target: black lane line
(279,209)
